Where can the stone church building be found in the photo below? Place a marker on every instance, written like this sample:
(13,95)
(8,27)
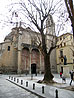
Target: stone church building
(19,51)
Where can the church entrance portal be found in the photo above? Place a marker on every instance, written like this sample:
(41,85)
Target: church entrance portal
(33,68)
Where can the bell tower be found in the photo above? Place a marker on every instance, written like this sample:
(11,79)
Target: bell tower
(50,25)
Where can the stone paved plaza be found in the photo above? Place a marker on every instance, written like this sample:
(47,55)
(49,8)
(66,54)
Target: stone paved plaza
(9,90)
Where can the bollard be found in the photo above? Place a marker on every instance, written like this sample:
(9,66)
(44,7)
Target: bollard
(9,77)
(21,82)
(56,91)
(17,80)
(14,79)
(42,89)
(33,86)
(26,84)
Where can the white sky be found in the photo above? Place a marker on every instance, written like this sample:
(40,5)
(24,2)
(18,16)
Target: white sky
(4,30)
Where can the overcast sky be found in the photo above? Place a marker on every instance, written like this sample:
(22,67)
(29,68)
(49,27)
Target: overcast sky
(4,29)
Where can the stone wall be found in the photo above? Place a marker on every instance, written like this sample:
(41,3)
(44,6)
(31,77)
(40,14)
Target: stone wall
(20,51)
(8,59)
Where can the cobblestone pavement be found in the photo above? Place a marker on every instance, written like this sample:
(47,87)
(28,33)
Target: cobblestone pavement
(9,90)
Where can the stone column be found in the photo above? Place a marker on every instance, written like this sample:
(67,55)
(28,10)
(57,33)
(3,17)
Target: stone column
(30,62)
(40,61)
(19,61)
(19,52)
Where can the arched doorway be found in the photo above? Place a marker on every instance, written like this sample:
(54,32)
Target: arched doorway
(25,60)
(35,58)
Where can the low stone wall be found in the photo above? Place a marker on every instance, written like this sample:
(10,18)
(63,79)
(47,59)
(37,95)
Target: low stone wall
(8,69)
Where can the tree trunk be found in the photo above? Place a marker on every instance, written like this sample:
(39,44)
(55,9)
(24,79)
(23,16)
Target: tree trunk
(47,73)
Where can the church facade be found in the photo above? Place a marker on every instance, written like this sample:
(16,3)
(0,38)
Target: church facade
(19,51)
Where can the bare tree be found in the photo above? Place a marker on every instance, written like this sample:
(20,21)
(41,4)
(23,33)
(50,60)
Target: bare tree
(70,9)
(37,12)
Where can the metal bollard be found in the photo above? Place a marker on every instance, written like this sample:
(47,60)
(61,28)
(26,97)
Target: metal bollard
(26,84)
(14,79)
(42,89)
(17,80)
(21,82)
(9,77)
(33,86)
(56,91)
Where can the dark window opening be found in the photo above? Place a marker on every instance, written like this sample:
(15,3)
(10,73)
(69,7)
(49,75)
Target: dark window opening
(61,60)
(64,44)
(8,48)
(61,53)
